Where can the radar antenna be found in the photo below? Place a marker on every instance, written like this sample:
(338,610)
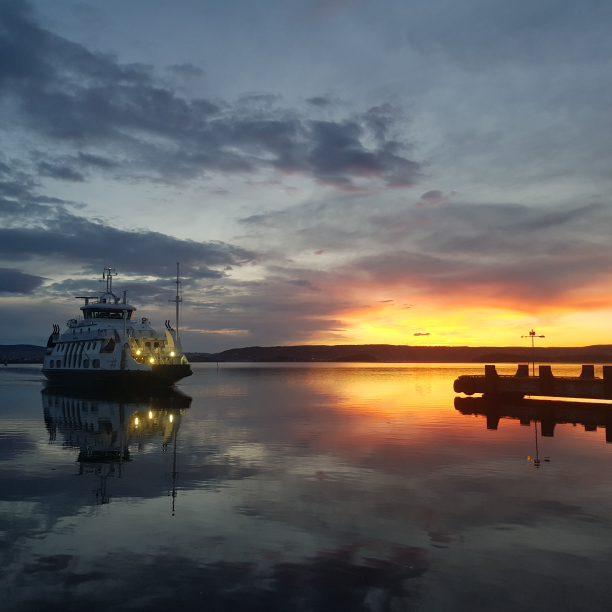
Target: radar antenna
(107,276)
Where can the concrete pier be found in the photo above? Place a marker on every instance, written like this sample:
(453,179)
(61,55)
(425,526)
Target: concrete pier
(585,386)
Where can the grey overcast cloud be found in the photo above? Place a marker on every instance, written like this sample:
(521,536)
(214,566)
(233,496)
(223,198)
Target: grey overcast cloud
(325,171)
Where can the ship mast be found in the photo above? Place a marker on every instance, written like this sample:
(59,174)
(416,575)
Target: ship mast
(177,301)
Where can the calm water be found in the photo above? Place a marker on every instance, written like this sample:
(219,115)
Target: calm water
(302,487)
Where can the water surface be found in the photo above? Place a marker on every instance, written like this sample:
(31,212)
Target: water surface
(302,487)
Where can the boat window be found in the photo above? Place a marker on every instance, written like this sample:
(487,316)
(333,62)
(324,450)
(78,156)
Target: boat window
(148,344)
(96,363)
(85,363)
(90,313)
(51,363)
(58,363)
(88,345)
(156,344)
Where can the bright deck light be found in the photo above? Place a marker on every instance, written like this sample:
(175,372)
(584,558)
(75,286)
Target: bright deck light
(172,354)
(171,418)
(150,414)
(138,352)
(152,360)
(136,421)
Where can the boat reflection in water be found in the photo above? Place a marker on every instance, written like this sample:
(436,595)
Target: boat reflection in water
(105,428)
(548,412)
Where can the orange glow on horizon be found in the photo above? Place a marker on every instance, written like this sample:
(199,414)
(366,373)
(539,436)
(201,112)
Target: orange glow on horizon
(422,310)
(428,324)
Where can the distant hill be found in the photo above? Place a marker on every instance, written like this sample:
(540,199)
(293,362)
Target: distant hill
(22,353)
(416,354)
(359,357)
(198,357)
(29,353)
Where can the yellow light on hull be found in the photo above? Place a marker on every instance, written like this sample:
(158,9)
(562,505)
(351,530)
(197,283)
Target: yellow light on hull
(171,418)
(172,354)
(138,352)
(150,415)
(152,360)
(136,421)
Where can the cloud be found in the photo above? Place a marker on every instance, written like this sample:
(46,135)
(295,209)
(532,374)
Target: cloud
(87,159)
(421,334)
(303,283)
(64,173)
(15,281)
(68,236)
(34,226)
(338,156)
(525,34)
(319,101)
(77,98)
(188,71)
(435,197)
(221,332)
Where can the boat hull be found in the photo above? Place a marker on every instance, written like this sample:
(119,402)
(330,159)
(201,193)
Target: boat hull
(159,376)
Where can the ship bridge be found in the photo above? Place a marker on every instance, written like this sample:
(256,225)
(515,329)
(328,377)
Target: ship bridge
(108,309)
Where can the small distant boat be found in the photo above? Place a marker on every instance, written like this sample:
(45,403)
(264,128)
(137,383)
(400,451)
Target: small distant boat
(108,346)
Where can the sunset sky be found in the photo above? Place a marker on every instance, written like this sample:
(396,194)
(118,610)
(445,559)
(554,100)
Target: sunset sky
(326,171)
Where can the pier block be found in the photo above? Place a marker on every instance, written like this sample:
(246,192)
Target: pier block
(491,377)
(522,371)
(607,380)
(547,380)
(588,371)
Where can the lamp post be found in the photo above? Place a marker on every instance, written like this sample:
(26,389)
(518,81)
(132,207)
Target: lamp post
(533,336)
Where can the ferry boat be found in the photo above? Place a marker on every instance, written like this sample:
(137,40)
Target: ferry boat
(108,346)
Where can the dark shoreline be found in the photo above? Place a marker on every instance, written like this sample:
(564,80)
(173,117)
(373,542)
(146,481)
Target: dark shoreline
(384,353)
(372,353)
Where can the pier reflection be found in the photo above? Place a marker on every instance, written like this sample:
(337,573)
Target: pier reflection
(105,429)
(548,412)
